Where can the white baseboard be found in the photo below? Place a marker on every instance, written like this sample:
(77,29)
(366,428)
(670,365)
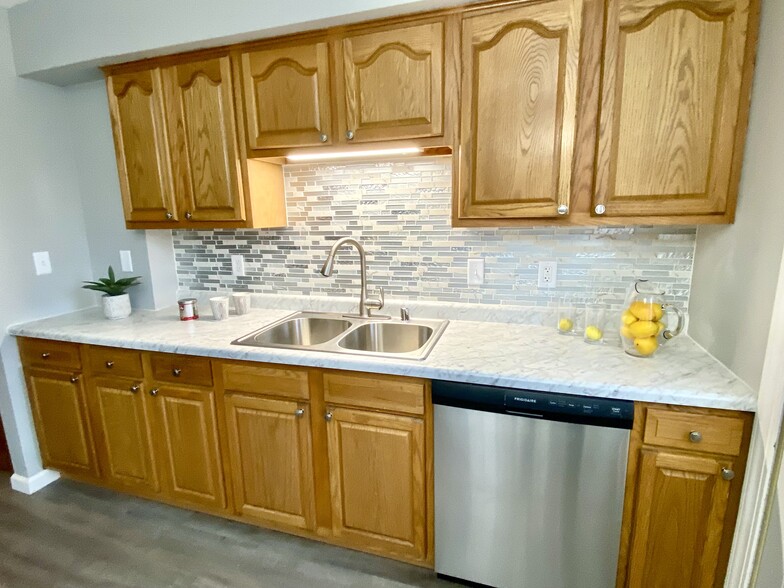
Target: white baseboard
(34,483)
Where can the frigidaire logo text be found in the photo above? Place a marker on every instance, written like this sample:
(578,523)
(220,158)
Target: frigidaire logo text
(531,400)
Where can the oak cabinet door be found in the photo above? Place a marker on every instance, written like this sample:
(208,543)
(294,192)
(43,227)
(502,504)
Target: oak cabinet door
(519,108)
(186,439)
(678,524)
(377,480)
(671,87)
(392,85)
(271,459)
(141,146)
(59,410)
(287,96)
(123,435)
(203,136)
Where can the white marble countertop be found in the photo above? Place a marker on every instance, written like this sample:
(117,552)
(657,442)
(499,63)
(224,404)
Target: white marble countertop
(501,354)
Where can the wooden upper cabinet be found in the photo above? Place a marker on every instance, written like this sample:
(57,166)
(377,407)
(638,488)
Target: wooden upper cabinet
(392,84)
(203,136)
(680,506)
(141,145)
(672,83)
(287,96)
(518,113)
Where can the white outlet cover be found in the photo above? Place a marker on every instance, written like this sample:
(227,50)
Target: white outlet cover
(43,265)
(237,265)
(126,261)
(476,271)
(547,274)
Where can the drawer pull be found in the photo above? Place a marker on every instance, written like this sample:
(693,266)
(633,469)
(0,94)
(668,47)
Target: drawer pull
(74,379)
(695,436)
(154,392)
(328,416)
(46,355)
(727,474)
(299,412)
(109,364)
(176,372)
(135,388)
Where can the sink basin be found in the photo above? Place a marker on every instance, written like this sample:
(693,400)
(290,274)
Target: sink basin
(348,334)
(303,332)
(387,337)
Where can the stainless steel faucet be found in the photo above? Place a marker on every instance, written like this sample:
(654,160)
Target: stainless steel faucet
(366,304)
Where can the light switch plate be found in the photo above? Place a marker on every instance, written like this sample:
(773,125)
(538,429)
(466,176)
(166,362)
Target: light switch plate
(237,265)
(43,265)
(476,271)
(126,261)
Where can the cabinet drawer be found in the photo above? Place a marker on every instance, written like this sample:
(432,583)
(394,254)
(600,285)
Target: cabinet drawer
(182,369)
(713,433)
(116,362)
(376,391)
(49,354)
(266,379)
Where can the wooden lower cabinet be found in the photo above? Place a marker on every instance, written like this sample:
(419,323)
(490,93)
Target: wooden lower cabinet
(377,480)
(271,457)
(185,434)
(59,410)
(123,436)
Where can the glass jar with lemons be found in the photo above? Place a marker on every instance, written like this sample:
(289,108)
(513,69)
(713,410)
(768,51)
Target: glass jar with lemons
(595,322)
(644,323)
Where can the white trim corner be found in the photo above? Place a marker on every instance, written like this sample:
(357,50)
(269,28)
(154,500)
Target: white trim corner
(35,482)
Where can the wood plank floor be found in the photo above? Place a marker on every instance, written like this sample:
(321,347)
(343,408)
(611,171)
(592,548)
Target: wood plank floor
(74,535)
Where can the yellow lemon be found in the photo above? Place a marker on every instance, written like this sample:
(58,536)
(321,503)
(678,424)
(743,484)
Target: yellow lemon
(565,325)
(658,311)
(625,332)
(644,311)
(593,333)
(661,326)
(642,329)
(628,318)
(646,345)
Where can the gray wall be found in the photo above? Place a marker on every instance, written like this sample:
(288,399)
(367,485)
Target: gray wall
(40,209)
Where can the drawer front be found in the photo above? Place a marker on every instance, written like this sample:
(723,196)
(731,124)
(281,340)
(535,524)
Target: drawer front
(182,369)
(696,432)
(49,354)
(111,361)
(266,379)
(375,391)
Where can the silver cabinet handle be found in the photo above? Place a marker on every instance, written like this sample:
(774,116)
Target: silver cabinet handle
(600,209)
(727,474)
(154,392)
(188,215)
(328,416)
(169,216)
(46,355)
(74,379)
(109,364)
(299,412)
(695,436)
(135,388)
(349,135)
(176,372)
(324,138)
(563,209)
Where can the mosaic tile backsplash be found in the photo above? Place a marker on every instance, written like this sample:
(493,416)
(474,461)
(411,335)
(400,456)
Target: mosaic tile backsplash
(400,211)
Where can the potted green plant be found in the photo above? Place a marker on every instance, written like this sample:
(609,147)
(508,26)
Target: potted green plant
(116,302)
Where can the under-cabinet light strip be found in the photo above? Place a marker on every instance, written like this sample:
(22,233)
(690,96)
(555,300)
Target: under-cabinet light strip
(353,154)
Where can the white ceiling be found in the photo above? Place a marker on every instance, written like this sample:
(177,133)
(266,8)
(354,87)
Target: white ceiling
(10,3)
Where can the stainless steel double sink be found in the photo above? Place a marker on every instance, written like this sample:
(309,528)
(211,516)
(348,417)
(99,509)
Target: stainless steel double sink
(338,333)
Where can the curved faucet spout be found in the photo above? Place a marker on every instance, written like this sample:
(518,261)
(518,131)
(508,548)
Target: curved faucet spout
(329,264)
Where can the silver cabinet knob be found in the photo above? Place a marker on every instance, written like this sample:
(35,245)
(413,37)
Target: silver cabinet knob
(176,372)
(169,216)
(328,416)
(349,135)
(299,412)
(188,215)
(727,474)
(695,436)
(135,388)
(46,355)
(324,138)
(154,392)
(74,379)
(109,365)
(600,209)
(563,209)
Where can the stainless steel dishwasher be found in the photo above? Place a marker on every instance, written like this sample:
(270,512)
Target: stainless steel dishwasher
(528,486)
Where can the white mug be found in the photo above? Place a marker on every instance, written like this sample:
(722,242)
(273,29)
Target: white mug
(220,307)
(241,302)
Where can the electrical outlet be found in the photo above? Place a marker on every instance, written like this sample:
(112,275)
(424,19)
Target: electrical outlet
(43,265)
(476,271)
(126,261)
(237,265)
(547,271)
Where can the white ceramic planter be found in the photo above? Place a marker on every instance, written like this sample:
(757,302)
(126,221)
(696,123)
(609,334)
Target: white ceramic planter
(117,307)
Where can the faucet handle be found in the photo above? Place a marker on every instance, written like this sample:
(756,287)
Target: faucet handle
(376,303)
